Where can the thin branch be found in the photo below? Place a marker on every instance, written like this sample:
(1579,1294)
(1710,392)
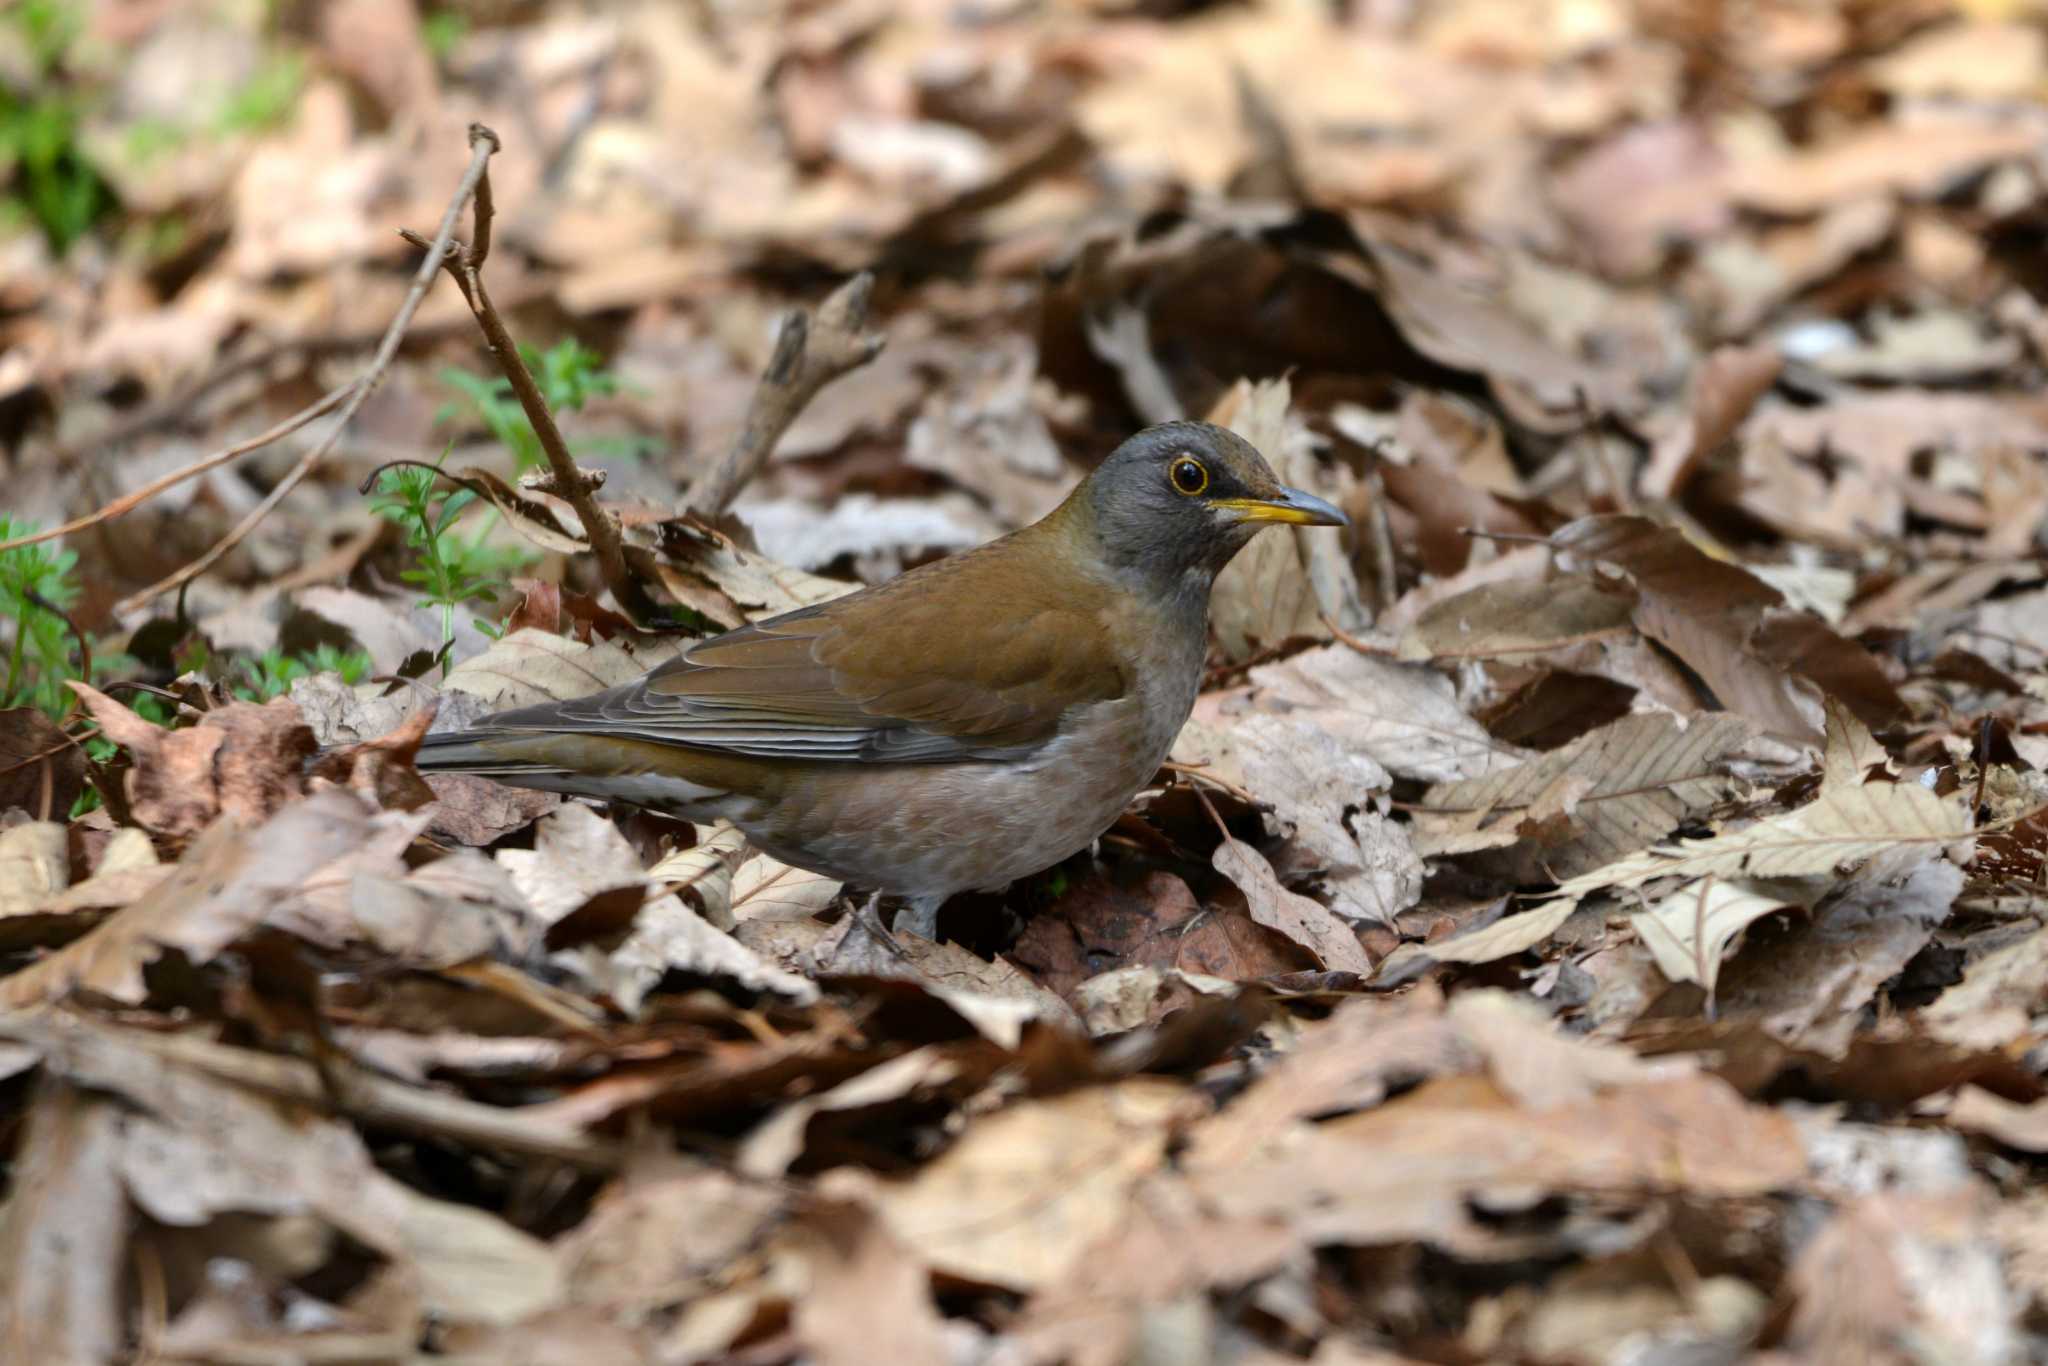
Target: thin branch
(482,143)
(808,356)
(128,502)
(577,487)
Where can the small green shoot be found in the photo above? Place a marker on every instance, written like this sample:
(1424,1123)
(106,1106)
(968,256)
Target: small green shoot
(453,570)
(266,99)
(36,589)
(53,184)
(441,30)
(272,673)
(568,375)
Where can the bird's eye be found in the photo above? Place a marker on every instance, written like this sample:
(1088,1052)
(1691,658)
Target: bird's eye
(1188,475)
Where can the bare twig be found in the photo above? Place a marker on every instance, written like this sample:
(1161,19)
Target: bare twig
(573,485)
(482,143)
(808,356)
(128,502)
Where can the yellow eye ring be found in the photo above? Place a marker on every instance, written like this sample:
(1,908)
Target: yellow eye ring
(1187,475)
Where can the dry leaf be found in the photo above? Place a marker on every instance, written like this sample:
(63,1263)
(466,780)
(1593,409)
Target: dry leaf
(1635,779)
(1024,1193)
(1301,919)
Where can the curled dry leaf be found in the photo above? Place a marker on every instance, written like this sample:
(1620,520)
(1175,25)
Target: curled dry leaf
(1537,382)
(241,760)
(35,865)
(993,995)
(706,570)
(581,865)
(1304,920)
(1689,931)
(203,1146)
(1725,387)
(869,1295)
(1519,616)
(1404,717)
(1731,629)
(381,770)
(1841,828)
(63,1232)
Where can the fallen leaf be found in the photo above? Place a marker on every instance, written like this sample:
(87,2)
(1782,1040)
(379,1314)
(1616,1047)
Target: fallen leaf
(530,667)
(1025,1193)
(869,1297)
(229,881)
(41,770)
(244,760)
(1637,779)
(1307,922)
(1518,617)
(1691,930)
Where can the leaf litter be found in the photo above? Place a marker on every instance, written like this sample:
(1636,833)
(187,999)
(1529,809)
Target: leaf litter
(1596,912)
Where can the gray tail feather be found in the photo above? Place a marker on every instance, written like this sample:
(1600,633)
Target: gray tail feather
(457,751)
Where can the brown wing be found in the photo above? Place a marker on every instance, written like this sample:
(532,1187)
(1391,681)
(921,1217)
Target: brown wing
(961,659)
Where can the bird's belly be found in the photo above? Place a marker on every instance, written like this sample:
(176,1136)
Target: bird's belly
(925,830)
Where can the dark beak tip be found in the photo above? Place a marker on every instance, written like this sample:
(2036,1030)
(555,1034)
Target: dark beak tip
(1324,513)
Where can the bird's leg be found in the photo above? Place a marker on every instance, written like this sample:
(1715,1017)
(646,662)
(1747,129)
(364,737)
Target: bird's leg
(870,918)
(921,918)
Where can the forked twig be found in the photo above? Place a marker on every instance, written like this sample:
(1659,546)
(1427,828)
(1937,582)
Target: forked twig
(575,486)
(808,356)
(482,143)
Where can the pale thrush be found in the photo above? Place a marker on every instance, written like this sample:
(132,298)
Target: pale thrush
(966,723)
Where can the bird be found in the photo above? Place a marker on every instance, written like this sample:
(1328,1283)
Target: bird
(969,722)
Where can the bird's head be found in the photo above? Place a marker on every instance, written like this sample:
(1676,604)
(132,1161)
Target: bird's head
(1178,500)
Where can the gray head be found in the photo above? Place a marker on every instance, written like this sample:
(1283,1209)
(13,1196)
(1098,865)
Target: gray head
(1176,501)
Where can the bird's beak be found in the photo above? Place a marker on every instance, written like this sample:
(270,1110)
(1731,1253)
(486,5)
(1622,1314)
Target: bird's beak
(1289,505)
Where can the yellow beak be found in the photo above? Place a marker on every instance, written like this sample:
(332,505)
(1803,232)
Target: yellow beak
(1292,506)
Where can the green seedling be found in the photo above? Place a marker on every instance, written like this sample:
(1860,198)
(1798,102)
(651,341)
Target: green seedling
(453,570)
(272,673)
(568,375)
(45,176)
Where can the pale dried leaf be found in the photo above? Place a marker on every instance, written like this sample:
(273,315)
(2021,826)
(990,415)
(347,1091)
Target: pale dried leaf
(1840,828)
(1404,717)
(1026,1191)
(1639,778)
(1690,930)
(530,666)
(1305,921)
(228,882)
(1518,616)
(35,865)
(62,1234)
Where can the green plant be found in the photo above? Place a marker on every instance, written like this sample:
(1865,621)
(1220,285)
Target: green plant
(272,673)
(52,182)
(441,30)
(453,570)
(266,99)
(568,375)
(36,589)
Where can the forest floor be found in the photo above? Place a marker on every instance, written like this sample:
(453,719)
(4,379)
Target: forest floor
(1597,913)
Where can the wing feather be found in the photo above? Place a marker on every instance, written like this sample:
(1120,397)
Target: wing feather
(897,673)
